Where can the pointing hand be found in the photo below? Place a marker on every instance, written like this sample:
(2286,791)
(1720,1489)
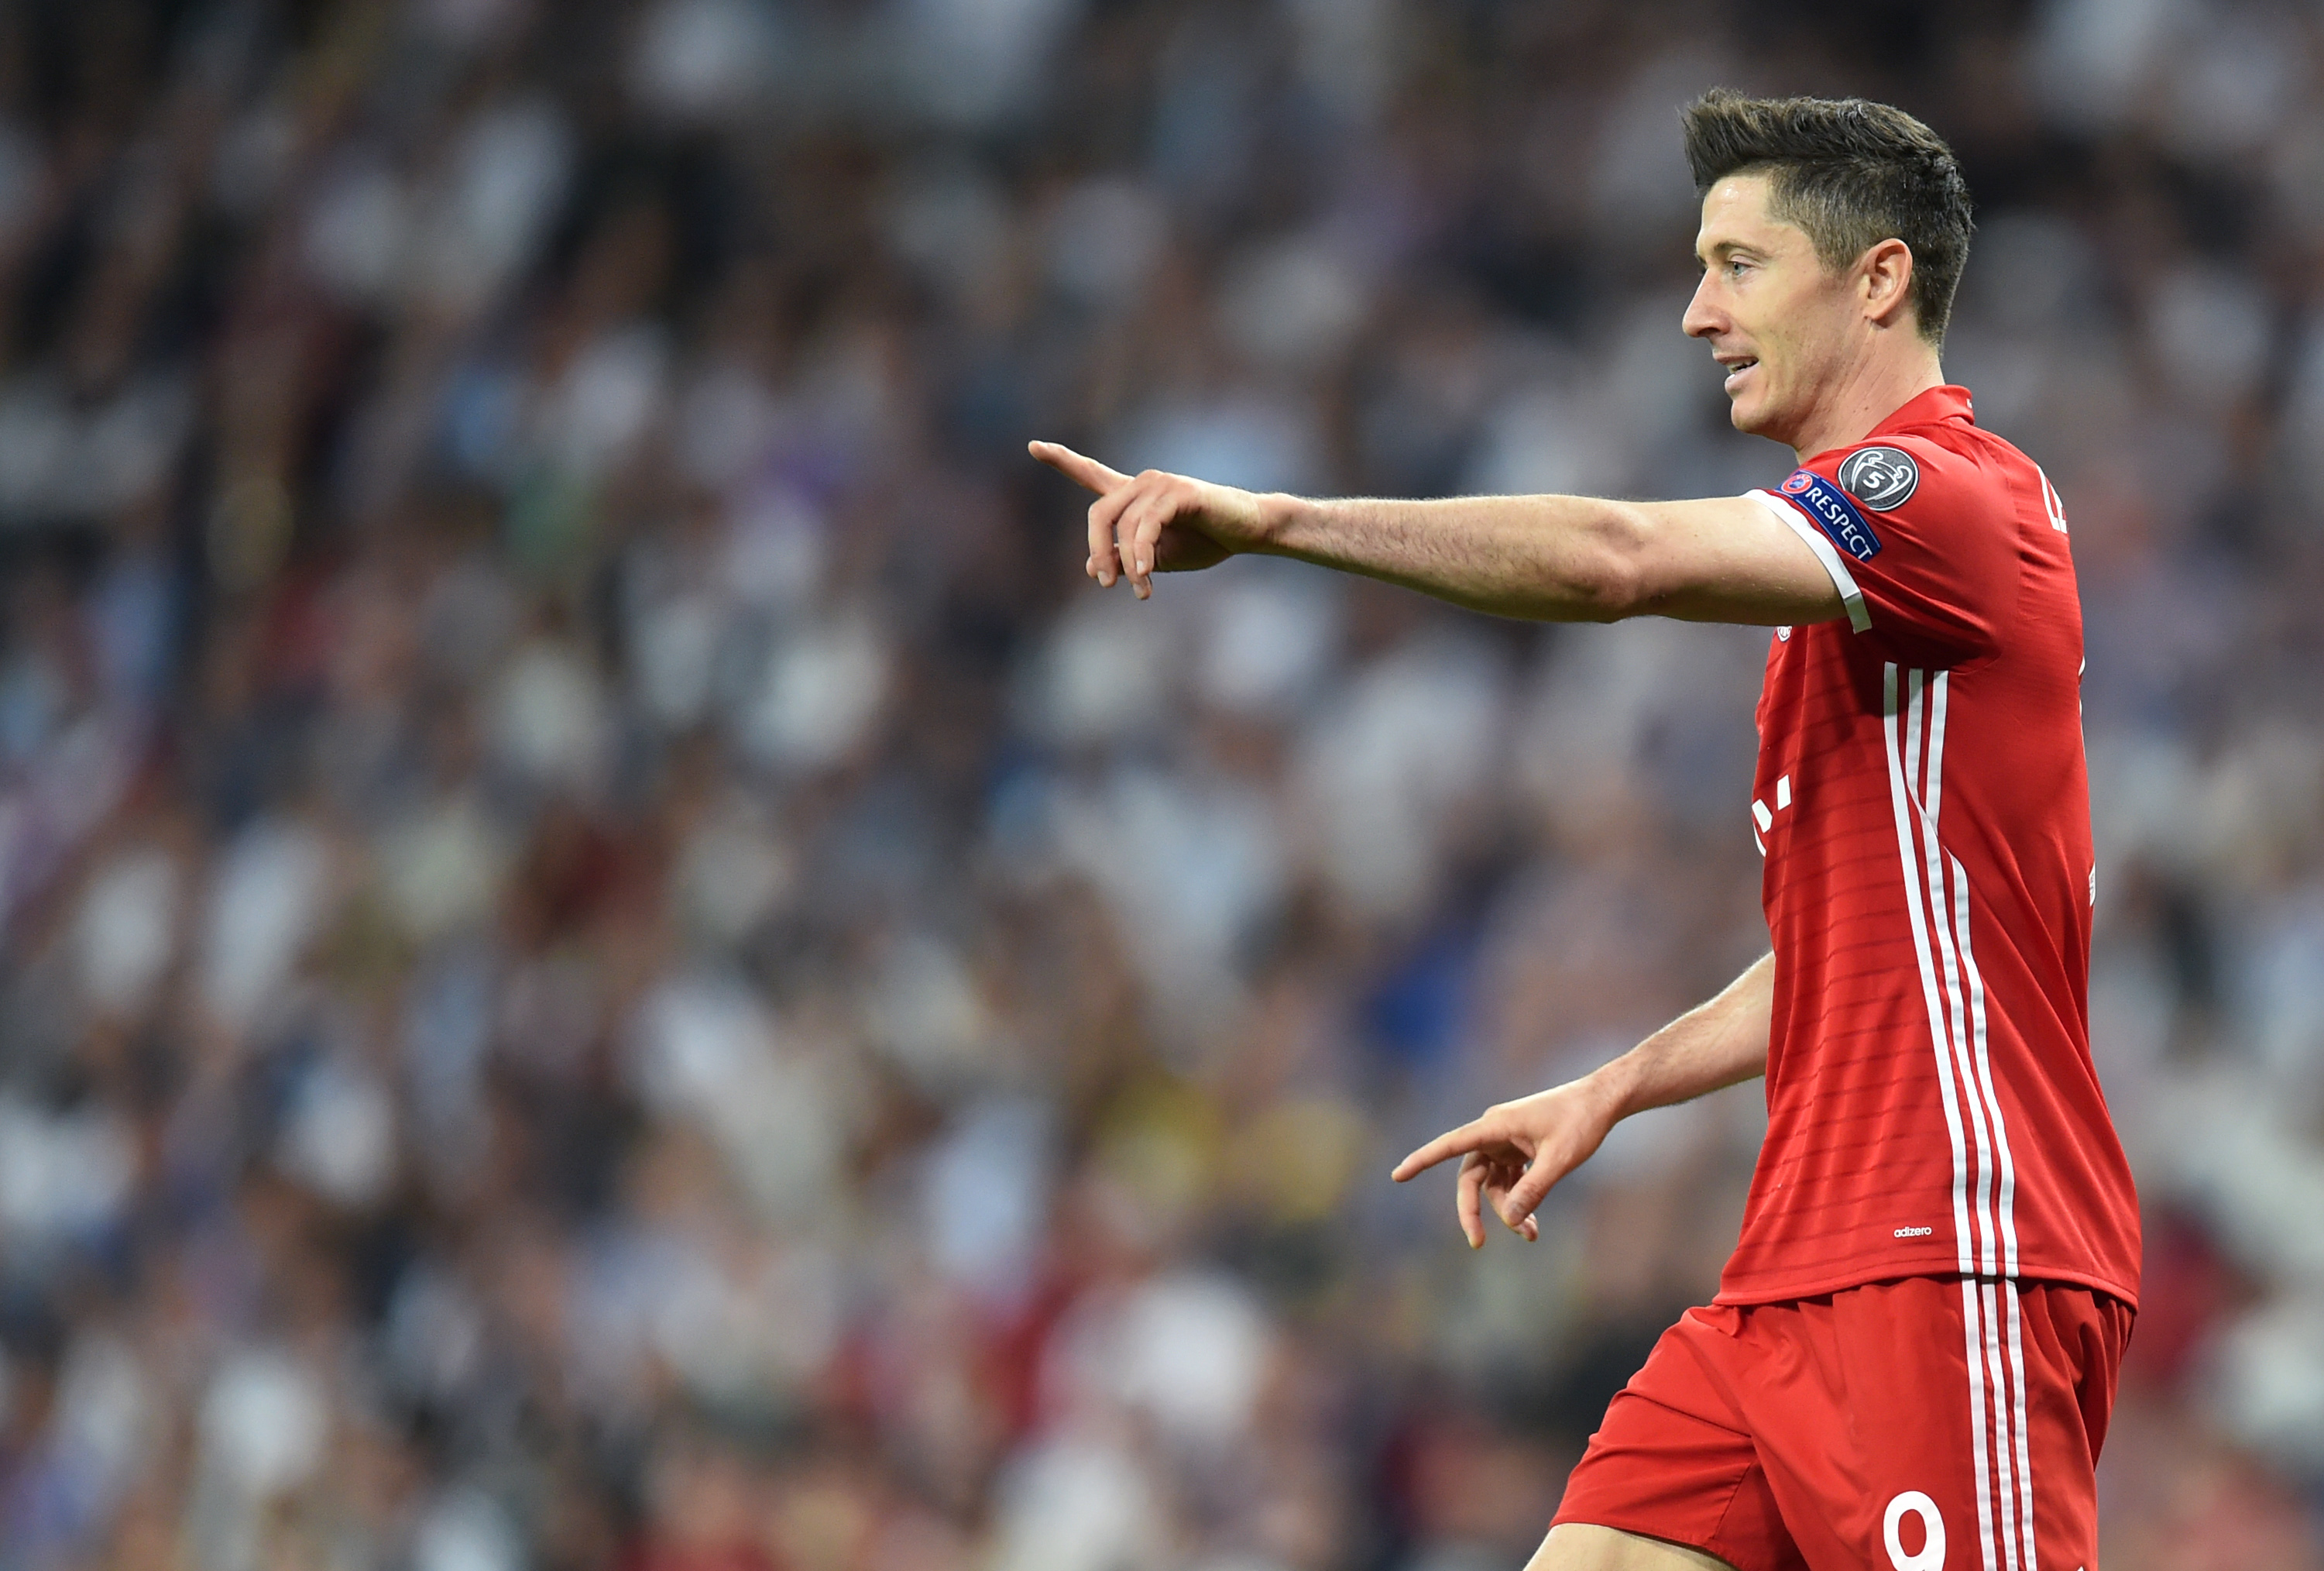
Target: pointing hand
(1155,523)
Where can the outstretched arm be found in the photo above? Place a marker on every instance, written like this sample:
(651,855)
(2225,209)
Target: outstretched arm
(1563,558)
(1517,1150)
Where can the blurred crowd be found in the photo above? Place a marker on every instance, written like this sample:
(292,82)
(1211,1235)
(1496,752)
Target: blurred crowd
(609,959)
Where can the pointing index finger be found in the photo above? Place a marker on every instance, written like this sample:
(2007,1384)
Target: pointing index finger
(1074,467)
(1452,1143)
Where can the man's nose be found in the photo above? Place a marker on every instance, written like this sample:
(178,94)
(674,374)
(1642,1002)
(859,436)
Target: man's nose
(1702,317)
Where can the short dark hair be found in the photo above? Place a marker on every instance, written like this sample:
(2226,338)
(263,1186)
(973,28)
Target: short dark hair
(1850,173)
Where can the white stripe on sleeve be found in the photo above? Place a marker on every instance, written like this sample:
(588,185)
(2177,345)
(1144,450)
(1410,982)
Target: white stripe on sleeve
(1842,580)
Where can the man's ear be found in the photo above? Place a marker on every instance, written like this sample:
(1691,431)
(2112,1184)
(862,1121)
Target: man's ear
(1886,270)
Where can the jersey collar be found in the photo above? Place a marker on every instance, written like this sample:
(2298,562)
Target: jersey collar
(1934,407)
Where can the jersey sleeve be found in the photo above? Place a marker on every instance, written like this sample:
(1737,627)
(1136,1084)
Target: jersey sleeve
(1921,545)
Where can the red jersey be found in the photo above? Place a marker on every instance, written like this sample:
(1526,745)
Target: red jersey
(1924,807)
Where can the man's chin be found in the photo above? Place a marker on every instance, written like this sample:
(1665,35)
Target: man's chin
(1753,417)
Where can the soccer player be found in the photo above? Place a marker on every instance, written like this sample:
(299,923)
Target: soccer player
(1912,1355)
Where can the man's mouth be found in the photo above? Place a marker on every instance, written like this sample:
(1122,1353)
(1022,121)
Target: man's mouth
(1735,369)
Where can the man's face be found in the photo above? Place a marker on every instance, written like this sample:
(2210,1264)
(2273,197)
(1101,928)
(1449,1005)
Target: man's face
(1775,318)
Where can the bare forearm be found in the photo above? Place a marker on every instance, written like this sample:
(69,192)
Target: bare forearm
(1717,1044)
(1513,1155)
(1565,559)
(1555,559)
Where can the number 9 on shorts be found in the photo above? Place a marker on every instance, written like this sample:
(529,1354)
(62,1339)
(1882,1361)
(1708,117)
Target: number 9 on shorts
(1931,1556)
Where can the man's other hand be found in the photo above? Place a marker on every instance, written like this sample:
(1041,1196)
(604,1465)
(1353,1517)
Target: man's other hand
(1155,522)
(1516,1151)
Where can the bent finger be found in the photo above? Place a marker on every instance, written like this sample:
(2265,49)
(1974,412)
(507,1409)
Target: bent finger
(1144,544)
(1102,564)
(1125,531)
(1140,529)
(1106,564)
(1468,1200)
(1528,1192)
(1507,1181)
(1517,1218)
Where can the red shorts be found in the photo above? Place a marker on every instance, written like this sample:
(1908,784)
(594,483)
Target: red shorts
(1926,1423)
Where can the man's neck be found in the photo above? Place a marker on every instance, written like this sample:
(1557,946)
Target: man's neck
(1879,390)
